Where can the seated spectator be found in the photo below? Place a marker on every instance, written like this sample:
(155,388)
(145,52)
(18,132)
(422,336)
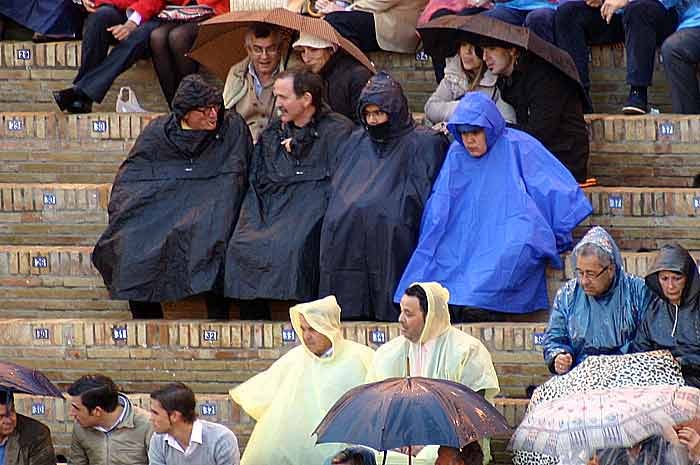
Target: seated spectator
(49,19)
(375,25)
(289,399)
(597,312)
(353,456)
(344,77)
(642,26)
(274,250)
(23,440)
(471,454)
(372,223)
(435,349)
(181,438)
(464,72)
(681,55)
(248,87)
(536,15)
(108,429)
(548,105)
(504,194)
(170,43)
(123,23)
(672,319)
(174,204)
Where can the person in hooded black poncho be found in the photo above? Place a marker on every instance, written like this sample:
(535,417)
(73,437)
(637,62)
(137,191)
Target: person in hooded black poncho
(672,318)
(373,219)
(273,253)
(175,202)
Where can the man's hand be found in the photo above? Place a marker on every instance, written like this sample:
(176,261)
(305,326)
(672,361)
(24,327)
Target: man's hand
(89,6)
(691,439)
(610,7)
(122,31)
(327,6)
(562,363)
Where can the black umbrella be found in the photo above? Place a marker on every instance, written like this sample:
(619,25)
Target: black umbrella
(20,379)
(400,412)
(442,36)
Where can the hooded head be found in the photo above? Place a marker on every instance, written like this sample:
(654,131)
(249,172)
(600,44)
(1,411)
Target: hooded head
(318,324)
(386,93)
(195,98)
(597,262)
(681,281)
(432,321)
(476,111)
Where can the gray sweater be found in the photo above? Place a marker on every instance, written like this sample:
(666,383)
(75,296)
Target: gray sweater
(218,446)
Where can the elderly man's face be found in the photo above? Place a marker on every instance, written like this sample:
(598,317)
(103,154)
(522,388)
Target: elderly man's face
(594,277)
(313,340)
(264,53)
(8,421)
(411,319)
(203,118)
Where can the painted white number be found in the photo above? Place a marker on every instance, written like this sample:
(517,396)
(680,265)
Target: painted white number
(40,262)
(38,409)
(24,54)
(208,410)
(119,333)
(15,124)
(377,336)
(538,339)
(49,199)
(615,202)
(288,335)
(41,333)
(210,335)
(99,125)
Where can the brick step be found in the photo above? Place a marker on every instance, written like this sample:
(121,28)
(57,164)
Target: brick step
(29,72)
(213,407)
(213,356)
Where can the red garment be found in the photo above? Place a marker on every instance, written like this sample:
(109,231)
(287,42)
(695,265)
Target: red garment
(150,8)
(452,5)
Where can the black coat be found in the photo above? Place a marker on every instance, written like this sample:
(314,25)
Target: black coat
(273,253)
(373,220)
(172,209)
(549,106)
(674,327)
(344,78)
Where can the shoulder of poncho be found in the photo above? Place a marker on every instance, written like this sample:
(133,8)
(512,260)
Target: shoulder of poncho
(391,347)
(565,295)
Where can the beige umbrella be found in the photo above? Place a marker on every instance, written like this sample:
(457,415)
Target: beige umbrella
(220,40)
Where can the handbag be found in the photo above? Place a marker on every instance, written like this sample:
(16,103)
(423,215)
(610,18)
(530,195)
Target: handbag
(185,14)
(130,104)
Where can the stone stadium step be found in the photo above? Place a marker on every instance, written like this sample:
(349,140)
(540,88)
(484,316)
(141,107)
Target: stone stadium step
(29,72)
(219,408)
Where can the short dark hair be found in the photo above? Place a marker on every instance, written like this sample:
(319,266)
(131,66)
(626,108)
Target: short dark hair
(304,81)
(348,457)
(96,391)
(262,31)
(419,293)
(471,454)
(7,398)
(177,397)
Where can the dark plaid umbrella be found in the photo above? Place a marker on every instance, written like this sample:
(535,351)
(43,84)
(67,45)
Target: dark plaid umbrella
(442,36)
(20,379)
(220,40)
(400,412)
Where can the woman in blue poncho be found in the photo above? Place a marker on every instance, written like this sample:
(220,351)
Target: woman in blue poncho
(502,208)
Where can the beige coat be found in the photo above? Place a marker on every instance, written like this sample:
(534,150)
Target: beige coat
(29,444)
(127,444)
(239,94)
(442,103)
(395,22)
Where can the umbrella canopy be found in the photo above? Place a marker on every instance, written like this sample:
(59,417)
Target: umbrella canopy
(604,419)
(220,40)
(399,412)
(442,36)
(19,379)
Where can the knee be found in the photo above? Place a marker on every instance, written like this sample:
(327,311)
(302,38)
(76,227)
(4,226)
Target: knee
(671,47)
(102,16)
(159,38)
(642,10)
(181,39)
(566,13)
(542,18)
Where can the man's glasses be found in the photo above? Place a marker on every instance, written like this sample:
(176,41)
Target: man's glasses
(207,110)
(580,274)
(271,50)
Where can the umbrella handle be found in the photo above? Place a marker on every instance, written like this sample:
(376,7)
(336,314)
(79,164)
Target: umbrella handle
(384,459)
(410,457)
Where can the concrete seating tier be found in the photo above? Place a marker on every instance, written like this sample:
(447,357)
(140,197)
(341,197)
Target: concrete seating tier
(213,356)
(29,72)
(214,407)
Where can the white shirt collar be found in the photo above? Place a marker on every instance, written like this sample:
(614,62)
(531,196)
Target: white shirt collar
(195,439)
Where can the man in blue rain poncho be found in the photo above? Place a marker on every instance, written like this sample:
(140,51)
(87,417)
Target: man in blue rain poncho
(501,209)
(289,399)
(597,312)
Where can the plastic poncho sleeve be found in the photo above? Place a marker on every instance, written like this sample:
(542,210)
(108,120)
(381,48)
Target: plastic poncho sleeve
(484,379)
(257,394)
(557,340)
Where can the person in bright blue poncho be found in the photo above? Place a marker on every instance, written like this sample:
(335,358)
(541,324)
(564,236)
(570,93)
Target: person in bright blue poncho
(501,208)
(597,312)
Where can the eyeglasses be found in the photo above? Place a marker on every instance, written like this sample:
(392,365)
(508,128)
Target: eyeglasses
(271,50)
(580,274)
(207,110)
(376,114)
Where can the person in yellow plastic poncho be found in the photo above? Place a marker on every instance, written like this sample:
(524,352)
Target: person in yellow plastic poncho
(289,399)
(435,350)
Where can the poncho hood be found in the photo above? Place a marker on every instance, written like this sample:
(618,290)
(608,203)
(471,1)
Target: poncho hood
(437,321)
(673,257)
(323,315)
(386,92)
(477,109)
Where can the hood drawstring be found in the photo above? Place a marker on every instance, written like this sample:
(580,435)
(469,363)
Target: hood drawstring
(675,322)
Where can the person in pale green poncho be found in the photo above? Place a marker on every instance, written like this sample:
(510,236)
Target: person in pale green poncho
(434,349)
(289,399)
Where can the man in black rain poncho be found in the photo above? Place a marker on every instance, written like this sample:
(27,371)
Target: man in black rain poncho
(273,253)
(174,204)
(371,227)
